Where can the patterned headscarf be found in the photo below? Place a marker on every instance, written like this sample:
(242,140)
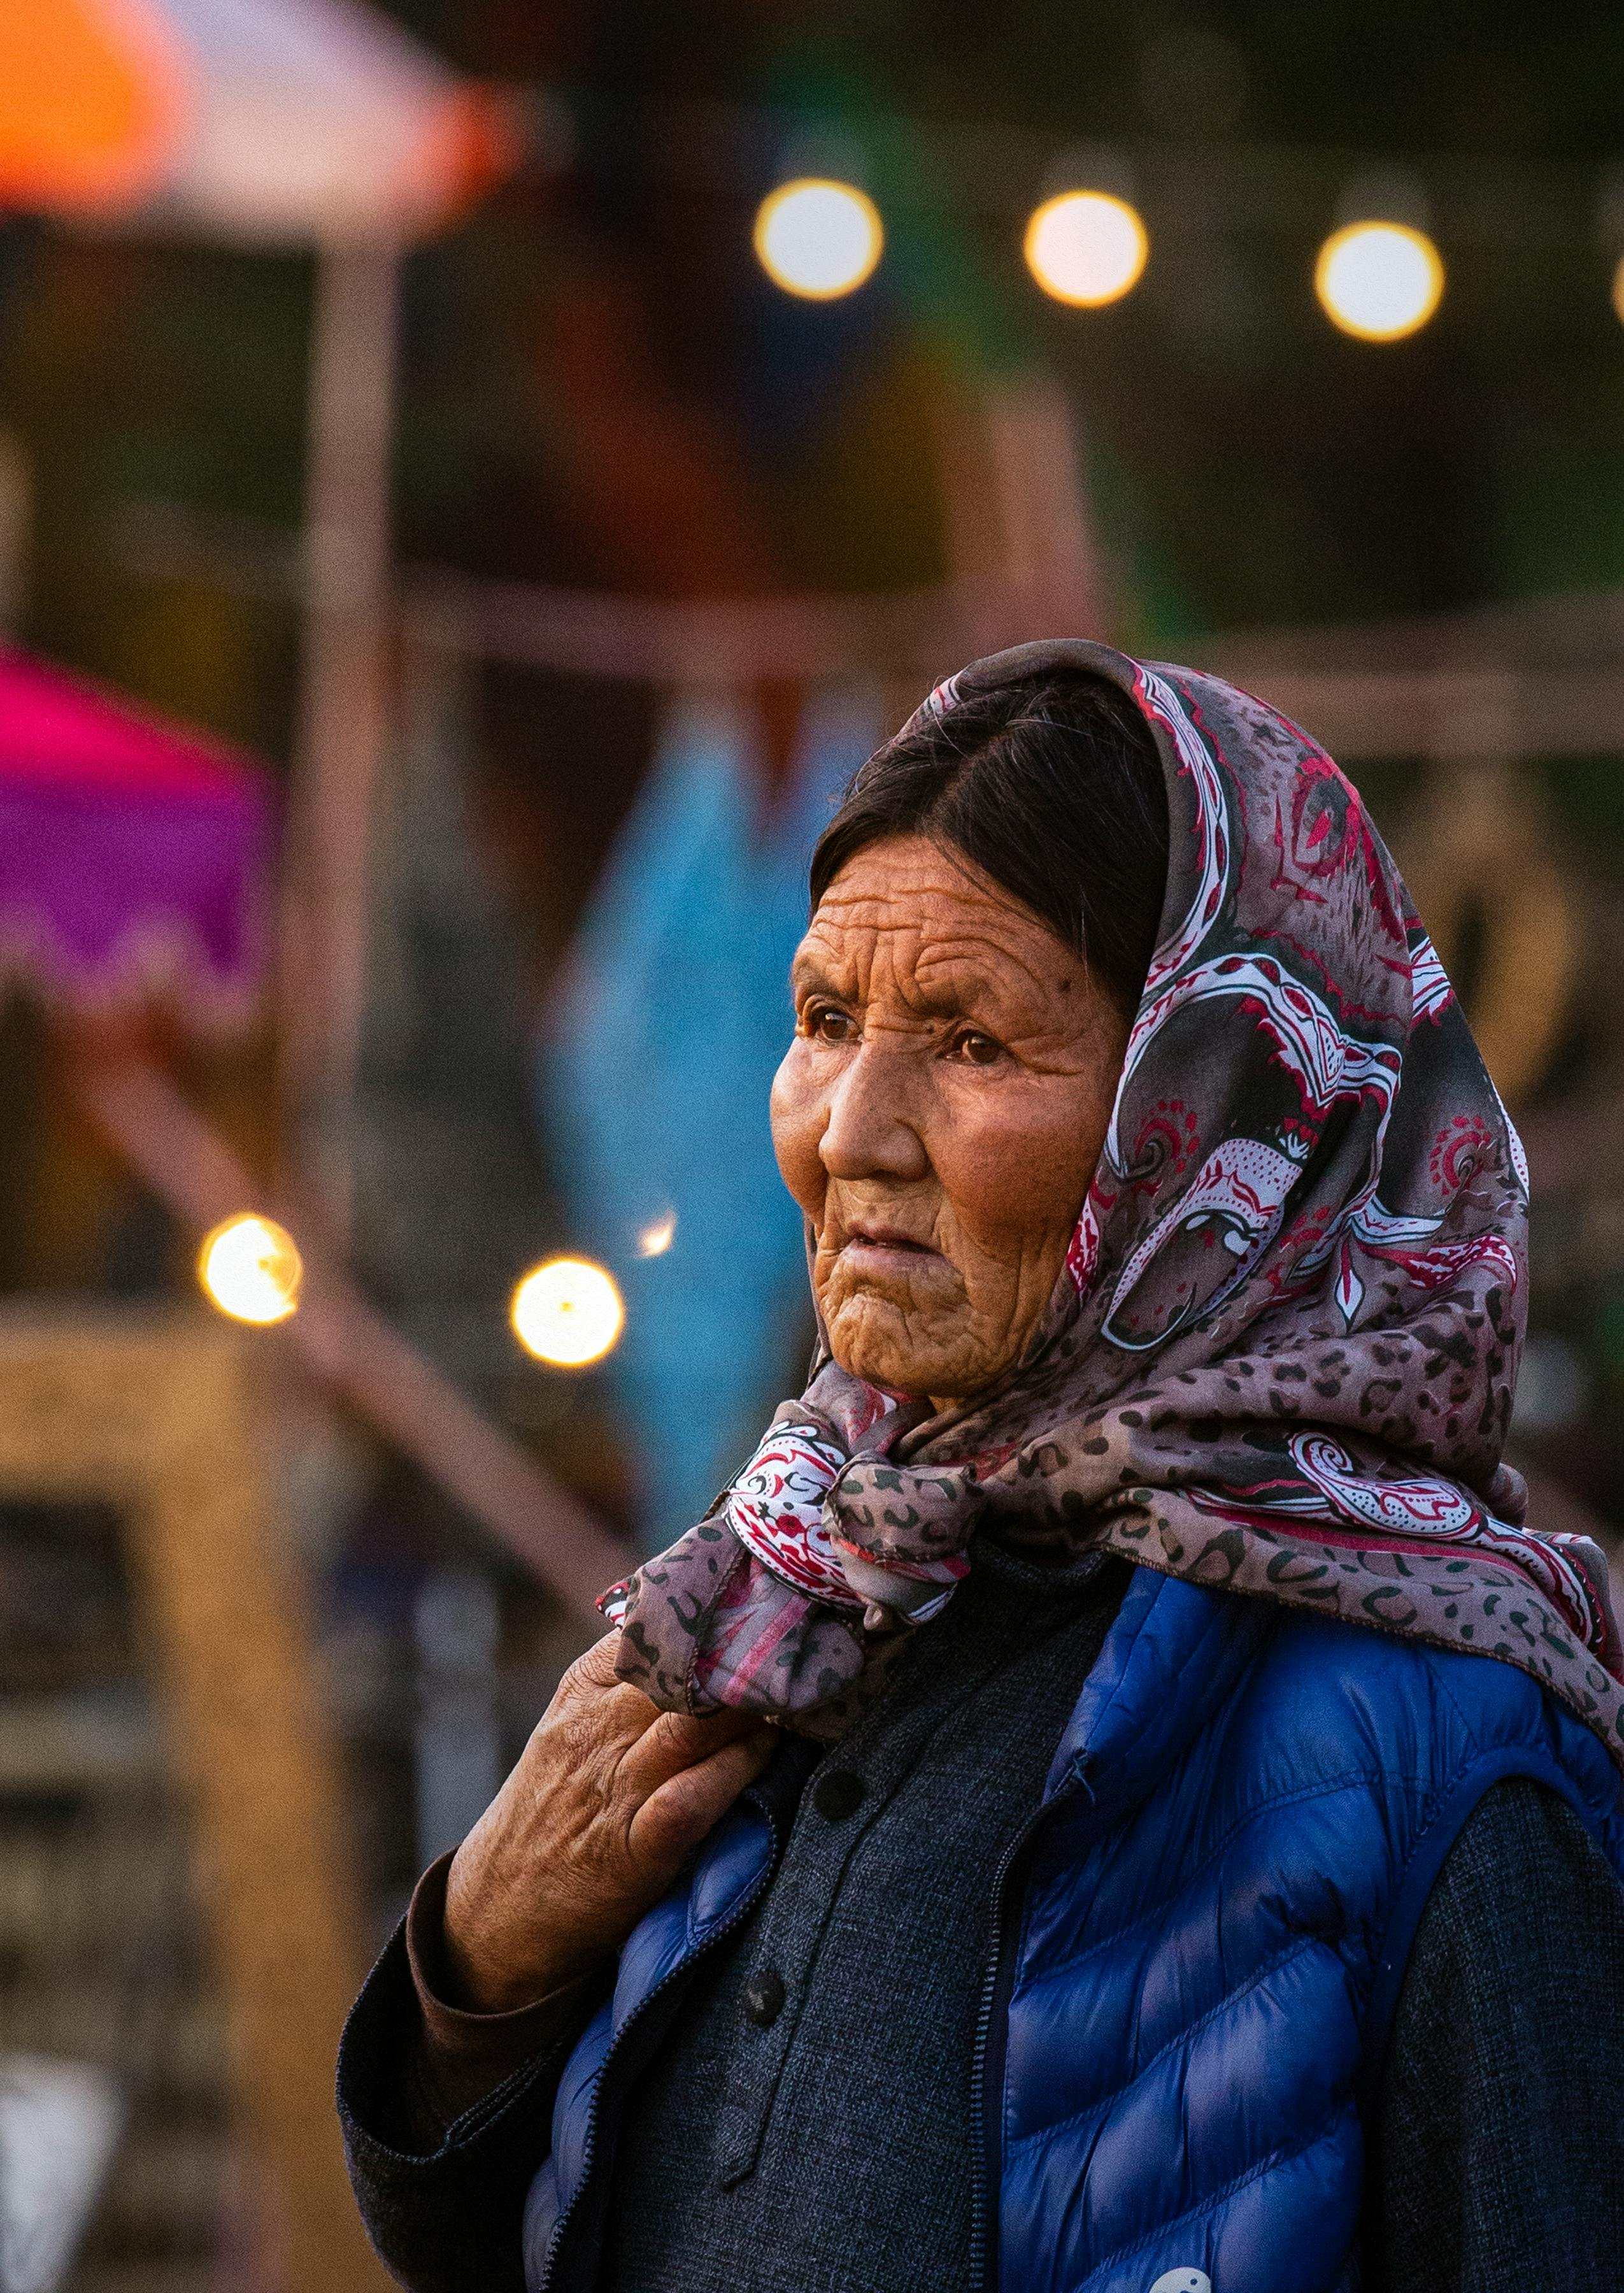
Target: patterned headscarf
(1280,1358)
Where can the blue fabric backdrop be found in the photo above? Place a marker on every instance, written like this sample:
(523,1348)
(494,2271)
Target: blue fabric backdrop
(655,1069)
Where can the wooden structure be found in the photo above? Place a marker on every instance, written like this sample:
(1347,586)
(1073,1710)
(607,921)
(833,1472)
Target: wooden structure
(153,1414)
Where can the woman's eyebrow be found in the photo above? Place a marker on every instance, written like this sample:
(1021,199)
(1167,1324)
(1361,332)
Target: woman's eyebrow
(954,987)
(810,972)
(953,982)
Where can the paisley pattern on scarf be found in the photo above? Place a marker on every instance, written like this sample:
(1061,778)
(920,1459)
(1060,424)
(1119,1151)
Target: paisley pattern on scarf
(1281,1354)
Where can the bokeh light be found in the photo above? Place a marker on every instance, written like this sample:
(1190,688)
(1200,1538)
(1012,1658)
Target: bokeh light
(655,1239)
(1087,247)
(817,238)
(250,1268)
(1378,280)
(1618,291)
(567,1312)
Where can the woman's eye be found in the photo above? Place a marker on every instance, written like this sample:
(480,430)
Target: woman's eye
(828,1024)
(976,1049)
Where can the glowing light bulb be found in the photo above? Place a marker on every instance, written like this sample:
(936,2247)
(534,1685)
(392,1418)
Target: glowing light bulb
(1087,247)
(1378,280)
(567,1311)
(250,1268)
(818,239)
(655,1239)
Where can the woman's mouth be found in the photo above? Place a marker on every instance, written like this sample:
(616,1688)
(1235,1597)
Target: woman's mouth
(877,1249)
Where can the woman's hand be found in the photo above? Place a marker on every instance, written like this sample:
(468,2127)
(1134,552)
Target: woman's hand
(587,1832)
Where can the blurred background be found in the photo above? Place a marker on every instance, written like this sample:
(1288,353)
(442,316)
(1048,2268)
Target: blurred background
(474,480)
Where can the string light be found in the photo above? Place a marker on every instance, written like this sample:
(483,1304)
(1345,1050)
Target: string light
(251,1270)
(1378,280)
(567,1311)
(817,238)
(1087,247)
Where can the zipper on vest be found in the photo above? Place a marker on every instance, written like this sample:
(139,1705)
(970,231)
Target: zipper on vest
(983,2267)
(740,1912)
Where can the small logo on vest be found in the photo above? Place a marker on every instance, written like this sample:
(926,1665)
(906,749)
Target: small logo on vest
(1183,2280)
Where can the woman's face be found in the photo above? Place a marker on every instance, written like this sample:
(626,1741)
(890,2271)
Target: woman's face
(939,1114)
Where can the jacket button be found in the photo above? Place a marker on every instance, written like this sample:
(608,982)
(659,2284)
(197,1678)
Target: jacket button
(764,1999)
(839,1794)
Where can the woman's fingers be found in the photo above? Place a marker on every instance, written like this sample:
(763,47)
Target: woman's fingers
(591,1683)
(608,1797)
(677,1814)
(676,1740)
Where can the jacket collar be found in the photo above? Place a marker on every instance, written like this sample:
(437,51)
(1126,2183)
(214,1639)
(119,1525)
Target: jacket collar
(1172,1657)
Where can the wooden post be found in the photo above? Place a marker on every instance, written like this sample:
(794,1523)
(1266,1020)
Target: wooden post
(343,713)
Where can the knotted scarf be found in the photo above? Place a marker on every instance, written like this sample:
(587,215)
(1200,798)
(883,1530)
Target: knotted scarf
(1281,1357)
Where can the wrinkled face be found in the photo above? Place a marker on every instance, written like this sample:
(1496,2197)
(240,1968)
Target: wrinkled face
(939,1114)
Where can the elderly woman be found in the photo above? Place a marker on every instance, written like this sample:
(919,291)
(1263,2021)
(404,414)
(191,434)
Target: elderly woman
(1111,1797)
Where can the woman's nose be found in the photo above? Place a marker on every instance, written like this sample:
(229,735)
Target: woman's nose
(872,1129)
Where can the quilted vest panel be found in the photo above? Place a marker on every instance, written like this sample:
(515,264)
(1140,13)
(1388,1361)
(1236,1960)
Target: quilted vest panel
(1209,1951)
(1200,1953)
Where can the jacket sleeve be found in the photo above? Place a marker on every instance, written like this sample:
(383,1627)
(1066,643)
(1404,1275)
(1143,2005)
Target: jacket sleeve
(1497,2151)
(446,2116)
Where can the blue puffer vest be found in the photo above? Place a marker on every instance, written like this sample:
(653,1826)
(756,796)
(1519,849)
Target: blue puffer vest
(1198,1948)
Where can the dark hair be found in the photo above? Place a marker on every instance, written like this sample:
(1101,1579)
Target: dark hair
(1053,788)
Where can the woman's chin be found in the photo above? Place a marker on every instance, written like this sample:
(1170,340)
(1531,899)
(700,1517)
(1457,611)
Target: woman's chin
(864,1345)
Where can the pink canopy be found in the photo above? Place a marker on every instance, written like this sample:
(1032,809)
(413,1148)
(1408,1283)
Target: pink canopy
(133,855)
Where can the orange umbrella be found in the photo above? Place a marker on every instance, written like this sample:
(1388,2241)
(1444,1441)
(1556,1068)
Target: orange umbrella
(269,120)
(91,100)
